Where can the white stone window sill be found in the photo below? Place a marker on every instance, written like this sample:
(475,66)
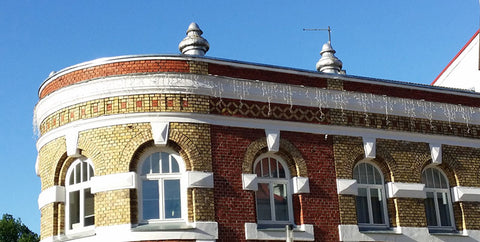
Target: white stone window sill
(167,226)
(302,232)
(445,232)
(380,230)
(78,233)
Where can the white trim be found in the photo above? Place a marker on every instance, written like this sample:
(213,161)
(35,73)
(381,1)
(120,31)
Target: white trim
(71,139)
(436,153)
(37,163)
(273,139)
(465,194)
(116,233)
(349,232)
(51,195)
(303,232)
(406,190)
(111,120)
(369,146)
(199,179)
(160,132)
(249,182)
(347,187)
(300,185)
(113,182)
(243,89)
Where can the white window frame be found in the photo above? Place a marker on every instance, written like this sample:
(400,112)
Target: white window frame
(368,187)
(80,187)
(271,181)
(435,200)
(181,175)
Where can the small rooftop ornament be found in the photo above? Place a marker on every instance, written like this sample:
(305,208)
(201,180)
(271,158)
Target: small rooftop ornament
(194,43)
(328,63)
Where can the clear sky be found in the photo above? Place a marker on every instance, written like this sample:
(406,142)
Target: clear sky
(408,40)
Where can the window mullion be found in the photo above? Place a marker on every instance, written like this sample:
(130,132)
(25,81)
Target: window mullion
(272,200)
(161,199)
(437,210)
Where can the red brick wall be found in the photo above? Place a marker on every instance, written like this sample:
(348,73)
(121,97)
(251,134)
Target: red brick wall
(118,68)
(234,206)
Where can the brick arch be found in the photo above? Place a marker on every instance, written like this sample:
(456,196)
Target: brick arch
(446,168)
(291,155)
(378,162)
(177,141)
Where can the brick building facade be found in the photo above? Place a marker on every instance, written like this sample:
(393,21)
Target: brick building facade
(192,148)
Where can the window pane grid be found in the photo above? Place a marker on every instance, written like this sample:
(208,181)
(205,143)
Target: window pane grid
(437,204)
(370,201)
(80,210)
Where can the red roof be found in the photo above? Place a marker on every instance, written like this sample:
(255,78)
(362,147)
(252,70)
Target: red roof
(456,56)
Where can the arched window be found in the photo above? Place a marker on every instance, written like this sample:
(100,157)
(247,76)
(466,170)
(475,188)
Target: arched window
(438,204)
(370,201)
(80,212)
(273,197)
(162,192)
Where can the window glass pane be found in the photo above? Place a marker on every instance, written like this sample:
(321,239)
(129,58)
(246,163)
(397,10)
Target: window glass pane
(265,168)
(88,208)
(370,175)
(378,177)
(263,202)
(280,201)
(74,209)
(437,178)
(273,168)
(155,158)
(258,169)
(84,171)
(281,171)
(175,168)
(362,206)
(443,181)
(172,199)
(146,166)
(90,172)
(362,173)
(430,210)
(356,174)
(150,199)
(71,179)
(444,209)
(377,205)
(165,163)
(77,173)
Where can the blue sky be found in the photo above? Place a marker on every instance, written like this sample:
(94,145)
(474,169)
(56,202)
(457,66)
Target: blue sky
(407,40)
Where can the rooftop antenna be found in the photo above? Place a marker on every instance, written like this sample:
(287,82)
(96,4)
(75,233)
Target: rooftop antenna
(328,29)
(328,63)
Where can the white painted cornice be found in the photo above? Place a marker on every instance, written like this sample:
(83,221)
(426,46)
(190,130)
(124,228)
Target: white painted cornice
(260,91)
(120,119)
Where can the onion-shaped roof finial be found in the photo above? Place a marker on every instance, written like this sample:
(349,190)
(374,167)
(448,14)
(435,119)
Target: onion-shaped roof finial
(194,43)
(329,63)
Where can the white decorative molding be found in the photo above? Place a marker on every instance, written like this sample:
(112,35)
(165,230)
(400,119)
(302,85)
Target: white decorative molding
(273,139)
(200,231)
(114,182)
(50,195)
(436,153)
(252,90)
(121,119)
(249,182)
(37,163)
(406,190)
(300,185)
(302,232)
(199,179)
(71,139)
(347,187)
(160,132)
(349,232)
(369,146)
(465,194)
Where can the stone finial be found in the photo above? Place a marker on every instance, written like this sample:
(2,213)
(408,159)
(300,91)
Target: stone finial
(194,43)
(329,63)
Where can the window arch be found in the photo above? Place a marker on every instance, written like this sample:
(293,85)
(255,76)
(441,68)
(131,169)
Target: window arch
(162,192)
(79,209)
(438,204)
(370,201)
(274,195)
